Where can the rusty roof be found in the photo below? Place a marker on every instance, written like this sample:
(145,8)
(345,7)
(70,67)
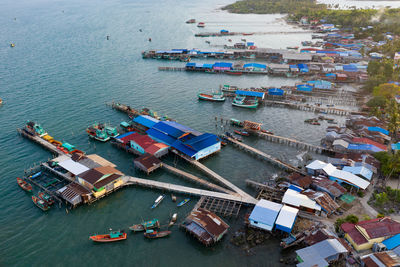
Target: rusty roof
(107,180)
(148,160)
(91,176)
(380,227)
(300,180)
(207,220)
(317,236)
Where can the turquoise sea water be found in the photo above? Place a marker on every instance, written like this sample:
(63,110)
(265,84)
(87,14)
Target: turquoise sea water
(61,73)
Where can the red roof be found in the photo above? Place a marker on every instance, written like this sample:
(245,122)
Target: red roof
(380,227)
(352,231)
(149,145)
(369,141)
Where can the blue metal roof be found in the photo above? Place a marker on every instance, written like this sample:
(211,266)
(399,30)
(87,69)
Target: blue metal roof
(223,65)
(255,65)
(264,215)
(123,135)
(250,93)
(392,242)
(146,121)
(378,129)
(190,64)
(207,66)
(396,146)
(364,147)
(160,137)
(359,170)
(304,87)
(275,91)
(183,148)
(181,127)
(202,141)
(296,188)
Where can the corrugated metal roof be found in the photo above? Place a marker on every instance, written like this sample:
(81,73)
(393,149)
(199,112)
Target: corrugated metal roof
(296,199)
(287,217)
(316,165)
(392,242)
(202,141)
(73,167)
(183,148)
(265,212)
(359,170)
(160,136)
(350,178)
(250,93)
(378,129)
(321,250)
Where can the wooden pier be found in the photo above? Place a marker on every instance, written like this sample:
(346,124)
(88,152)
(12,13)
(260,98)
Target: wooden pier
(264,156)
(196,179)
(294,143)
(224,34)
(129,180)
(267,192)
(312,108)
(41,142)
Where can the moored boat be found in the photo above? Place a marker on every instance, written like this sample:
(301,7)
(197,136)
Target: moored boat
(190,21)
(183,202)
(158,201)
(156,234)
(24,185)
(232,72)
(201,25)
(244,133)
(236,122)
(249,33)
(111,237)
(216,97)
(293,47)
(35,128)
(267,132)
(40,203)
(46,198)
(145,225)
(244,102)
(173,198)
(173,219)
(98,132)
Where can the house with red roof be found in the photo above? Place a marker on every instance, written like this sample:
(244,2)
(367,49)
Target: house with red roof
(364,234)
(143,144)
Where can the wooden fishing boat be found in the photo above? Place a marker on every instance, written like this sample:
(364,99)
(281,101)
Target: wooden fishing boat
(190,21)
(244,133)
(173,219)
(157,201)
(267,132)
(242,101)
(155,234)
(1,101)
(231,72)
(249,33)
(35,128)
(201,25)
(24,185)
(40,203)
(173,198)
(46,198)
(216,97)
(236,122)
(183,202)
(111,237)
(145,225)
(293,47)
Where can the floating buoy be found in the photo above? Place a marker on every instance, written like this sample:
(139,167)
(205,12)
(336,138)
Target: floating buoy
(149,39)
(12,44)
(108,37)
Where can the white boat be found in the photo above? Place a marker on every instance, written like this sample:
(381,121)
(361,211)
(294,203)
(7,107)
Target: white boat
(173,219)
(158,201)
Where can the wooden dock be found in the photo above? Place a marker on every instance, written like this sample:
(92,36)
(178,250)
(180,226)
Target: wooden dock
(171,68)
(294,143)
(264,156)
(129,180)
(196,179)
(41,142)
(224,34)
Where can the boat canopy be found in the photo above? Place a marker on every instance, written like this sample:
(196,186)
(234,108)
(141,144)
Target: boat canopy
(250,93)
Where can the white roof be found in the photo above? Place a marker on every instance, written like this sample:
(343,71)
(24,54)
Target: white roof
(321,251)
(287,216)
(350,178)
(60,158)
(340,142)
(316,165)
(329,169)
(296,199)
(269,205)
(73,167)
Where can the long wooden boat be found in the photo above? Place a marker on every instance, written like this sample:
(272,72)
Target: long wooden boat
(111,237)
(173,219)
(40,203)
(24,185)
(244,133)
(155,234)
(213,97)
(157,201)
(190,21)
(230,72)
(46,198)
(201,25)
(145,225)
(183,202)
(241,101)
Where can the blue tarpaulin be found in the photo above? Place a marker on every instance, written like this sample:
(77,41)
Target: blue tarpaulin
(250,43)
(392,242)
(275,91)
(366,147)
(303,67)
(250,93)
(304,87)
(378,129)
(255,65)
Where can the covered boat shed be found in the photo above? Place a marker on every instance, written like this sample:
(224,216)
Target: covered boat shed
(251,93)
(264,214)
(286,218)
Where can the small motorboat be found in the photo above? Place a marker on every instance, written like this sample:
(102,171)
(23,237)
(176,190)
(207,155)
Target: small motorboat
(145,225)
(111,237)
(24,185)
(158,201)
(1,101)
(231,72)
(201,25)
(293,47)
(46,198)
(40,203)
(173,198)
(190,21)
(183,202)
(267,132)
(216,97)
(12,45)
(244,133)
(155,234)
(173,219)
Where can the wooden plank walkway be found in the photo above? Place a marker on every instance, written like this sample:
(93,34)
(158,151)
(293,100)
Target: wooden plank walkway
(264,156)
(294,143)
(129,180)
(196,179)
(41,142)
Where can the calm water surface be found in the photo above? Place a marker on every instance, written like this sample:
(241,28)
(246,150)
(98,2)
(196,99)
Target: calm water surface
(61,73)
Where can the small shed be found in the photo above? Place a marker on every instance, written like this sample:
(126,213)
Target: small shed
(264,214)
(73,167)
(286,218)
(147,163)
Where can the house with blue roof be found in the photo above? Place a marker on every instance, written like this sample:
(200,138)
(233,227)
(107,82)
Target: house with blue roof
(378,129)
(264,214)
(392,242)
(145,120)
(360,171)
(251,93)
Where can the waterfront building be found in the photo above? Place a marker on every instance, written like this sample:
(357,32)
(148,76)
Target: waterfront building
(294,198)
(381,259)
(147,163)
(286,219)
(264,214)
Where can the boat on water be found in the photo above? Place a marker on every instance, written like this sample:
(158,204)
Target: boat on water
(244,133)
(249,33)
(157,201)
(216,97)
(111,237)
(24,185)
(102,132)
(245,102)
(46,198)
(201,25)
(12,45)
(191,21)
(173,198)
(232,72)
(173,219)
(35,128)
(292,47)
(40,203)
(267,132)
(145,225)
(156,234)
(236,122)
(183,202)
(126,126)
(1,101)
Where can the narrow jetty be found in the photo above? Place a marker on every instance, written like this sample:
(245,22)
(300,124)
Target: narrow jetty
(129,180)
(219,34)
(171,68)
(264,156)
(196,179)
(41,142)
(294,143)
(312,108)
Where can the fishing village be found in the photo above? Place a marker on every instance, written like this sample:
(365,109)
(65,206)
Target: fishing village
(293,153)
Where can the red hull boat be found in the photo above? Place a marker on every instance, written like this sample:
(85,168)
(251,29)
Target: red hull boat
(111,237)
(24,185)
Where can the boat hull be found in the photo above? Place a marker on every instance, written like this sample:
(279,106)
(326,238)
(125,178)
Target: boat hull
(157,235)
(245,106)
(24,185)
(210,98)
(107,238)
